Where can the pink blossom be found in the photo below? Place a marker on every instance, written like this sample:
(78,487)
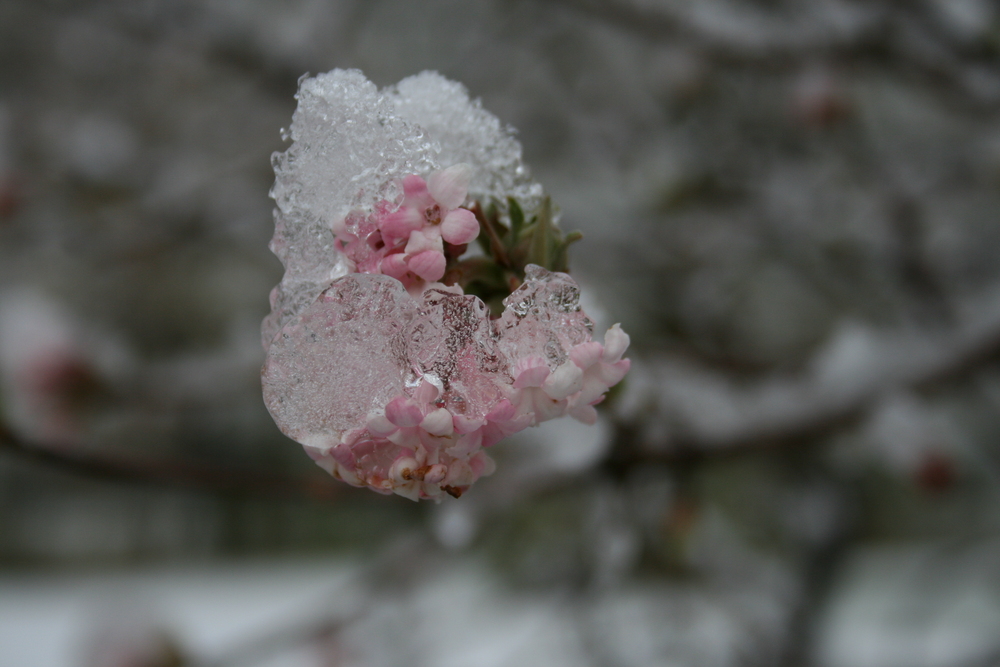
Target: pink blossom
(413,449)
(462,380)
(430,216)
(418,448)
(602,368)
(408,243)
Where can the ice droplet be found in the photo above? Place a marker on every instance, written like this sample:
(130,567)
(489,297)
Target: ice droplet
(543,316)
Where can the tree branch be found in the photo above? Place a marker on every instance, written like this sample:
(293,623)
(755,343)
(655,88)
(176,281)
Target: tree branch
(170,472)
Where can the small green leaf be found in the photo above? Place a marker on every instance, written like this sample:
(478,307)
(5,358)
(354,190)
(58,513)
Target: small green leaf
(540,238)
(561,261)
(516,220)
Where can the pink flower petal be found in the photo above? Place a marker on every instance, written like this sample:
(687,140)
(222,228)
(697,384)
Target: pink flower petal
(467,444)
(426,392)
(403,411)
(343,455)
(586,355)
(501,412)
(612,374)
(465,424)
(460,474)
(428,264)
(450,186)
(339,227)
(425,239)
(492,434)
(530,372)
(566,380)
(438,422)
(402,469)
(593,389)
(482,465)
(615,343)
(399,224)
(380,426)
(415,192)
(460,226)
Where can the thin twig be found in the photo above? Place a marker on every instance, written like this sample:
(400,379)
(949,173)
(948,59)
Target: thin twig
(496,245)
(170,472)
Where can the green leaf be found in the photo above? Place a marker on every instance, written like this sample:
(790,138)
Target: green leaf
(540,238)
(561,261)
(516,221)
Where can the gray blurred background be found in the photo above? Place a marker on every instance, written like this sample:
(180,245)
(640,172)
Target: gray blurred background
(791,206)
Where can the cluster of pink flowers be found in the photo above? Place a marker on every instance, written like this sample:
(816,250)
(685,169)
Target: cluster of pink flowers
(409,243)
(418,447)
(469,380)
(378,363)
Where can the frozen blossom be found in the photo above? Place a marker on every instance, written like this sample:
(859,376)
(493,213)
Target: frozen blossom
(390,378)
(409,243)
(403,394)
(353,147)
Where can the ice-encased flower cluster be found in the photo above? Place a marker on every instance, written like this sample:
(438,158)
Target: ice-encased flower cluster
(388,378)
(408,243)
(352,147)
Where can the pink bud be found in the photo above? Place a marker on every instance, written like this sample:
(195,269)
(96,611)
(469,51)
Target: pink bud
(438,422)
(615,343)
(394,265)
(428,264)
(460,226)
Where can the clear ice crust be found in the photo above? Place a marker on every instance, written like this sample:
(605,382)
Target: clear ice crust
(352,144)
(397,387)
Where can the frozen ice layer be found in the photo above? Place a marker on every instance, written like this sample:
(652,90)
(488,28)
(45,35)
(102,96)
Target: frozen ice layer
(403,394)
(544,315)
(464,132)
(343,356)
(352,145)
